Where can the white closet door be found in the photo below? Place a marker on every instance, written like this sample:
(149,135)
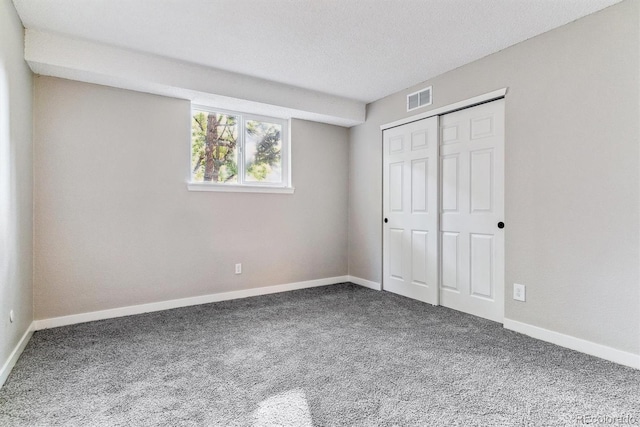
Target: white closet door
(472,210)
(410,208)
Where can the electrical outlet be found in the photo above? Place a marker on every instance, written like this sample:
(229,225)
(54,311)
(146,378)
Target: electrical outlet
(11,317)
(519,292)
(238,268)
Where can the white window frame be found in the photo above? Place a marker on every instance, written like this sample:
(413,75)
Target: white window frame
(242,186)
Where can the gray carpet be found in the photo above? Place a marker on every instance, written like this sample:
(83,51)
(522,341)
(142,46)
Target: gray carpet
(330,356)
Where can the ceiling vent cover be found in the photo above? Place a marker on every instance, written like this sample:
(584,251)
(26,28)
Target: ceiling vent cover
(418,99)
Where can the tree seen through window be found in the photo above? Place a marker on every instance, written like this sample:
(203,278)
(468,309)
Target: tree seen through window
(221,143)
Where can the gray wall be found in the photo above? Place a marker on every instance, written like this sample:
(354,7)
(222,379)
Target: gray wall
(116,226)
(16,183)
(572,174)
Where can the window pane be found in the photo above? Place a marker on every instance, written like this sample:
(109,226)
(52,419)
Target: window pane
(263,152)
(214,152)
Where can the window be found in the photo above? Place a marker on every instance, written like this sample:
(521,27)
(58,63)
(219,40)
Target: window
(238,152)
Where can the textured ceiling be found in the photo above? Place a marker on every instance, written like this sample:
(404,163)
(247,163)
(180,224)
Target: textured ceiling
(358,49)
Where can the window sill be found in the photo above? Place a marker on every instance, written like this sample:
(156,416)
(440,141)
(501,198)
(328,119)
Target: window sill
(230,188)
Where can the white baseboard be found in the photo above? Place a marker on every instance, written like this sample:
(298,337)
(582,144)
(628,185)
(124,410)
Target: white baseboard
(15,355)
(366,283)
(578,344)
(182,302)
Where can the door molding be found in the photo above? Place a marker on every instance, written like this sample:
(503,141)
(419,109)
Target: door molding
(471,102)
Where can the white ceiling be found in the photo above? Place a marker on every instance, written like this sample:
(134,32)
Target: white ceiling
(357,49)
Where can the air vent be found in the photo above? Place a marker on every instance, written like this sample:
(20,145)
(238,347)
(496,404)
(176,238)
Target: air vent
(419,99)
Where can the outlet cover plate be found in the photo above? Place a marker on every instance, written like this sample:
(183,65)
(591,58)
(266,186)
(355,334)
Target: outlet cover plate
(519,292)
